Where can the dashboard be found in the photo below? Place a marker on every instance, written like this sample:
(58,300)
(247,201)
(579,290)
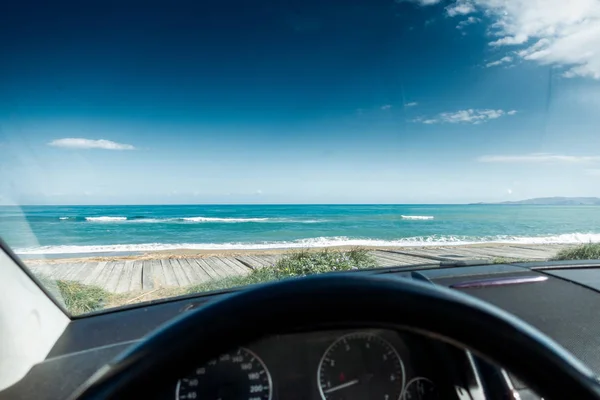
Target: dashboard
(338,364)
(297,365)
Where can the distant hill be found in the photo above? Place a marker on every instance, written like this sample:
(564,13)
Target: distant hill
(556,201)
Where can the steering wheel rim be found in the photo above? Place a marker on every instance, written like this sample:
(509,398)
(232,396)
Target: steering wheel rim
(342,301)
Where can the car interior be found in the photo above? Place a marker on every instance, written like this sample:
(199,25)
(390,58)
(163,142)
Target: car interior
(458,332)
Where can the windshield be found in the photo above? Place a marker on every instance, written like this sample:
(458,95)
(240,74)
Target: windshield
(159,149)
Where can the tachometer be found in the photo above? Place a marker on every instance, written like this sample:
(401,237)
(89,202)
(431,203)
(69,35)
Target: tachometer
(237,375)
(361,366)
(420,389)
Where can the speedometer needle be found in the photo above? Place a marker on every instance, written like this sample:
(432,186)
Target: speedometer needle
(342,386)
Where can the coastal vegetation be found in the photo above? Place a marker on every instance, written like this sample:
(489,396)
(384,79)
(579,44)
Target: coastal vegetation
(588,251)
(79,298)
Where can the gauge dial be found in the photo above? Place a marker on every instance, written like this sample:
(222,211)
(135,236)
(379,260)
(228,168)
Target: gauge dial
(361,366)
(420,389)
(240,374)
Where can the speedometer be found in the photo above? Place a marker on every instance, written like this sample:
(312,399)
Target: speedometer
(237,375)
(361,366)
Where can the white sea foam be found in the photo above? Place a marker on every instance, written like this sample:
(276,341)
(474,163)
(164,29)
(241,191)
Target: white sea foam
(417,217)
(105,219)
(198,220)
(227,220)
(435,240)
(63,218)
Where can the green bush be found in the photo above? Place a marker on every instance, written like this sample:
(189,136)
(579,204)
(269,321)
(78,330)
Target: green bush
(307,263)
(301,263)
(588,251)
(80,299)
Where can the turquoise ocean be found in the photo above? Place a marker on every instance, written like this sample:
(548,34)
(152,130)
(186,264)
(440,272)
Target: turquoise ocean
(33,230)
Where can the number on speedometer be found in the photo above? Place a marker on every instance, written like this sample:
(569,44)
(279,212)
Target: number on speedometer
(232,376)
(361,366)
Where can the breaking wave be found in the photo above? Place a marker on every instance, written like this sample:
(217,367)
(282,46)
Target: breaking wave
(416,217)
(143,219)
(434,240)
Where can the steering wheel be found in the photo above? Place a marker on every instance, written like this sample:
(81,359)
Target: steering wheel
(342,301)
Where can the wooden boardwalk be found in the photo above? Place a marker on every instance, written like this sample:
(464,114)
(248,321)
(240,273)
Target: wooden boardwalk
(120,276)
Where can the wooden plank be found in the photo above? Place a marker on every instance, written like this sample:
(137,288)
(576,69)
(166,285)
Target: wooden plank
(261,260)
(188,272)
(271,259)
(56,268)
(53,270)
(84,271)
(236,265)
(125,278)
(115,276)
(214,275)
(157,274)
(180,276)
(148,282)
(67,271)
(90,279)
(401,259)
(136,276)
(382,262)
(233,270)
(219,268)
(62,270)
(47,271)
(469,254)
(433,254)
(105,275)
(167,268)
(489,253)
(267,260)
(496,252)
(410,257)
(249,261)
(198,273)
(539,253)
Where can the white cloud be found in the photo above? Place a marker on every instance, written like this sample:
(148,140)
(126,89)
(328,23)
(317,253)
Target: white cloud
(503,60)
(563,33)
(259,192)
(80,143)
(386,107)
(411,104)
(538,158)
(509,191)
(553,32)
(471,116)
(460,7)
(421,2)
(468,21)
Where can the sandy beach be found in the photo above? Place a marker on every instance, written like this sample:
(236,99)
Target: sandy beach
(509,250)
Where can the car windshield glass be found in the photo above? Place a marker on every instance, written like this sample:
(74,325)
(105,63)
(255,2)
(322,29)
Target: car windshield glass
(156,149)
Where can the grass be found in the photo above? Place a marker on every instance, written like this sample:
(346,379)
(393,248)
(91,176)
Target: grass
(301,263)
(588,251)
(506,260)
(80,299)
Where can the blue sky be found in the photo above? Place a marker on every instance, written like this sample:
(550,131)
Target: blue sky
(299,102)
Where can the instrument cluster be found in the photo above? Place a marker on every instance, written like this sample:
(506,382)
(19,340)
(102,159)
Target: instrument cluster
(365,364)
